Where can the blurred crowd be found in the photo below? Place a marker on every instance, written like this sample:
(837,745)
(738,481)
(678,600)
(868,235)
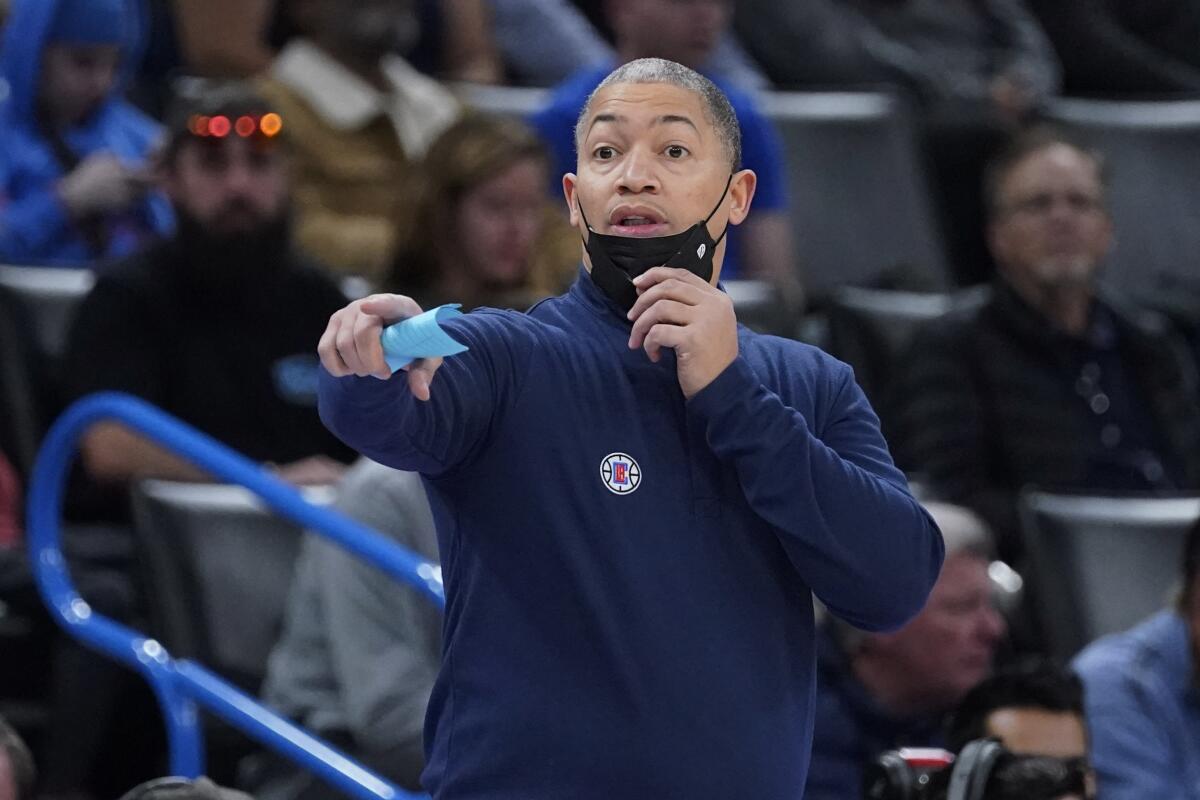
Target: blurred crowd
(227,173)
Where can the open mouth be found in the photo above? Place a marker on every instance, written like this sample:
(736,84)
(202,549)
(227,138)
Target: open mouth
(637,221)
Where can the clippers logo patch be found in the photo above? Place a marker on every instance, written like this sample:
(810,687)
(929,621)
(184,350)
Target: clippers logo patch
(620,473)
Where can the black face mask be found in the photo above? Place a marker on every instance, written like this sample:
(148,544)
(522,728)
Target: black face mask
(617,260)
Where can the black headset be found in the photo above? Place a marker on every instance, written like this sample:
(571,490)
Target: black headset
(972,768)
(903,774)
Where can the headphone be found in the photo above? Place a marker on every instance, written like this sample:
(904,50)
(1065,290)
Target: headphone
(904,774)
(972,768)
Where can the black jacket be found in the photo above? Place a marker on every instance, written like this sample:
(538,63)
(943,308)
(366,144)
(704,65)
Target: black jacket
(986,404)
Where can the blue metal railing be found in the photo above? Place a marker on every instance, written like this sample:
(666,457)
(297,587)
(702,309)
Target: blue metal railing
(182,685)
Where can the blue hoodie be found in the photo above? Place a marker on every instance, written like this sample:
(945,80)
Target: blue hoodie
(629,574)
(34,225)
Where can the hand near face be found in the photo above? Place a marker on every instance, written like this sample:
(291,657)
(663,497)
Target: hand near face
(680,310)
(351,344)
(101,184)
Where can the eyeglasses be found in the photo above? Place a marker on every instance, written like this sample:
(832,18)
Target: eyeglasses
(220,126)
(1043,203)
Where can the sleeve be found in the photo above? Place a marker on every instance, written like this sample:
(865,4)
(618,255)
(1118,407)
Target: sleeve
(1031,58)
(941,429)
(1099,55)
(831,34)
(111,346)
(544,41)
(382,634)
(469,394)
(1130,746)
(762,151)
(30,224)
(841,509)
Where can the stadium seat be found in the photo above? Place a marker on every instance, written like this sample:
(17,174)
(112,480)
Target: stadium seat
(860,205)
(218,566)
(1152,149)
(504,100)
(759,307)
(1101,564)
(50,297)
(871,329)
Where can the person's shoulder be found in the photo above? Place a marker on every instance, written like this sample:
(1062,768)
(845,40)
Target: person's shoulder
(1109,664)
(144,273)
(570,95)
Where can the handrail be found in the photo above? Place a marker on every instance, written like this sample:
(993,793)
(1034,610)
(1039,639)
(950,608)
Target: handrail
(181,685)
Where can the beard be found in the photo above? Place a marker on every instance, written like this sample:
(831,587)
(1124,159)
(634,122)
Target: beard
(225,264)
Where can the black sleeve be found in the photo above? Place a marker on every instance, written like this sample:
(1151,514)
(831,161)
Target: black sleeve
(1100,56)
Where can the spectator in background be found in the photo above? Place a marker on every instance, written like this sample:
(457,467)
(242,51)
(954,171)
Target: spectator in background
(239,38)
(358,114)
(74,183)
(978,68)
(1048,383)
(476,226)
(876,692)
(17,775)
(359,651)
(1142,706)
(10,505)
(687,33)
(1032,709)
(171,324)
(1114,47)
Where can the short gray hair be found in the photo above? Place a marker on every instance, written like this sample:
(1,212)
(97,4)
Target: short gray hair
(717,108)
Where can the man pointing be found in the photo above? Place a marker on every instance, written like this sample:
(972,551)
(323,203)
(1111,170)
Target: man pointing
(636,499)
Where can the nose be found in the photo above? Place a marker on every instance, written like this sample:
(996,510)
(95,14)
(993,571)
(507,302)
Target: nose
(239,178)
(990,627)
(637,173)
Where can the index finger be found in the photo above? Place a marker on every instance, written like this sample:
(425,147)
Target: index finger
(659,274)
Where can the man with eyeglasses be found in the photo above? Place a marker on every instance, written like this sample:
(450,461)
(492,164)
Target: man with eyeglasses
(1050,382)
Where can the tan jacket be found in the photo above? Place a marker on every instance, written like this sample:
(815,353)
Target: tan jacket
(352,147)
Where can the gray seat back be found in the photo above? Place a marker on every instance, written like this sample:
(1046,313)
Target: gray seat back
(50,296)
(860,200)
(1101,564)
(218,565)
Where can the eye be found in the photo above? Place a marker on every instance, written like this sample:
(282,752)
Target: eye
(676,151)
(604,152)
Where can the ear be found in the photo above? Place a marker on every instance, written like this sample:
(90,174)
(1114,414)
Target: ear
(570,183)
(741,193)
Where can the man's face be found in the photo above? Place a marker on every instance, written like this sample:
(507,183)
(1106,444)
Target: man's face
(1050,227)
(1039,732)
(652,164)
(685,31)
(948,648)
(230,186)
(75,80)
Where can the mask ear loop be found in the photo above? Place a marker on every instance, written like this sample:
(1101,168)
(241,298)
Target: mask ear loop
(716,208)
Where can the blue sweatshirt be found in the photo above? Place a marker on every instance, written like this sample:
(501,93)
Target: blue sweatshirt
(35,227)
(629,574)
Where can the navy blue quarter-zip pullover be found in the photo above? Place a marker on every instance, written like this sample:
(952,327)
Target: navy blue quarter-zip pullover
(630,574)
